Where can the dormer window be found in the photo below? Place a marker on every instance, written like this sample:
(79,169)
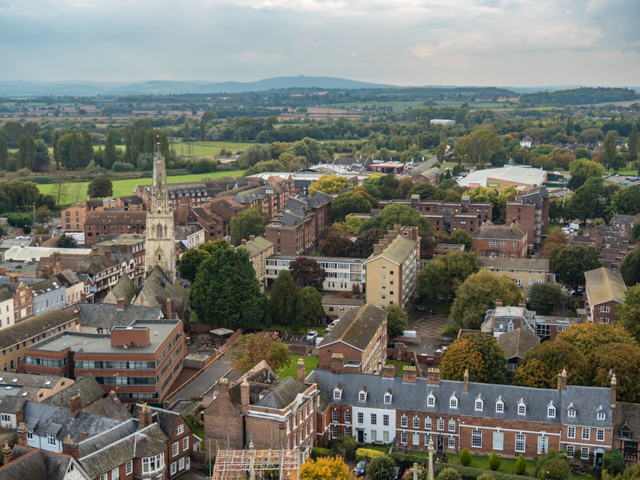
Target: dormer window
(388,397)
(500,406)
(337,393)
(522,407)
(551,411)
(602,416)
(571,412)
(479,403)
(625,433)
(453,401)
(431,400)
(362,396)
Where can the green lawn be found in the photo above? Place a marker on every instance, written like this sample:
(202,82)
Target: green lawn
(507,465)
(291,370)
(125,187)
(206,149)
(401,365)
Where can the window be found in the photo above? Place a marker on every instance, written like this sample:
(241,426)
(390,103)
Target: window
(152,464)
(571,432)
(500,406)
(173,468)
(362,396)
(104,476)
(453,402)
(440,424)
(571,450)
(522,408)
(30,434)
(584,453)
(416,439)
(416,422)
(572,412)
(374,419)
(498,440)
(551,412)
(586,433)
(600,435)
(385,420)
(334,415)
(479,404)
(452,425)
(129,468)
(175,449)
(431,400)
(520,442)
(403,437)
(337,393)
(601,416)
(115,474)
(476,438)
(625,433)
(51,439)
(404,421)
(387,398)
(347,416)
(604,309)
(427,423)
(180,429)
(543,444)
(451,443)
(360,417)
(385,437)
(181,464)
(6,418)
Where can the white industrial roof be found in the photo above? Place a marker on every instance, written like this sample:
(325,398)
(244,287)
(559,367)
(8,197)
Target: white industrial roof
(518,174)
(22,254)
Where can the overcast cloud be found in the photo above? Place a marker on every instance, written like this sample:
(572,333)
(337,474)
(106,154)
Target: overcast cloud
(401,42)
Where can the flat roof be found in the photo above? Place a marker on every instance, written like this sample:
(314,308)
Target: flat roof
(101,343)
(319,259)
(516,174)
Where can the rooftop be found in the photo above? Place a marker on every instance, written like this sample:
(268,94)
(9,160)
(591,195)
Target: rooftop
(356,327)
(516,174)
(23,254)
(517,342)
(33,326)
(602,285)
(537,264)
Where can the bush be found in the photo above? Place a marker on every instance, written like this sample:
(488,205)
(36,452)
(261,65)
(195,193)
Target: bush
(318,452)
(345,446)
(122,167)
(521,465)
(407,460)
(367,454)
(486,476)
(465,457)
(20,220)
(449,474)
(494,461)
(469,473)
(202,165)
(613,462)
(380,468)
(23,172)
(42,180)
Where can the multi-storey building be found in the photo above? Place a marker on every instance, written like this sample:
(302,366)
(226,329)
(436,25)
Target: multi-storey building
(392,269)
(604,291)
(130,246)
(500,241)
(260,249)
(49,294)
(342,273)
(506,319)
(73,217)
(270,198)
(7,311)
(531,210)
(139,361)
(524,271)
(130,203)
(483,418)
(116,222)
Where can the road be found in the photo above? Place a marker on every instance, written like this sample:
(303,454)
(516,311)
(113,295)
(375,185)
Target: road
(423,166)
(205,381)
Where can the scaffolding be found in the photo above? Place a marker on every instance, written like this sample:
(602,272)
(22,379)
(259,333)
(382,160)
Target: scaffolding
(243,464)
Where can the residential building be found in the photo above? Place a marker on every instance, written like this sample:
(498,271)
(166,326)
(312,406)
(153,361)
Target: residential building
(17,338)
(519,176)
(73,217)
(342,273)
(360,337)
(259,249)
(213,225)
(20,387)
(49,294)
(500,241)
(515,344)
(335,307)
(626,431)
(504,319)
(139,361)
(604,291)
(392,269)
(131,203)
(159,291)
(483,418)
(269,198)
(548,327)
(531,210)
(7,312)
(191,236)
(74,287)
(624,222)
(526,142)
(22,300)
(36,464)
(115,222)
(524,271)
(129,246)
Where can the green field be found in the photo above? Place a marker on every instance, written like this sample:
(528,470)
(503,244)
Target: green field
(125,187)
(207,149)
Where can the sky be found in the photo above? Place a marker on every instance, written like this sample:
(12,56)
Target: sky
(520,43)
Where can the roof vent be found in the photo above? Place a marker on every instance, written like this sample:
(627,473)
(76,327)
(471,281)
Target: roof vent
(47,383)
(15,380)
(155,333)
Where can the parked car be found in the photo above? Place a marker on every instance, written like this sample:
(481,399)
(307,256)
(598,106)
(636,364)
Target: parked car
(188,340)
(360,468)
(311,336)
(624,183)
(399,473)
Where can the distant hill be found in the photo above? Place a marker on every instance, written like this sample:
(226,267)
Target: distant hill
(579,96)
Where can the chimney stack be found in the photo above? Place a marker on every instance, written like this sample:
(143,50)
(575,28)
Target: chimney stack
(378,248)
(113,394)
(301,371)
(337,363)
(466,380)
(22,435)
(223,387)
(433,376)
(83,296)
(562,380)
(169,309)
(522,304)
(498,303)
(145,417)
(388,371)
(244,396)
(120,306)
(6,454)
(252,238)
(76,404)
(409,374)
(69,447)
(243,241)
(614,388)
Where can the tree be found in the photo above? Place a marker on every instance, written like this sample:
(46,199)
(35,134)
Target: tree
(635,231)
(397,320)
(442,277)
(586,169)
(66,241)
(588,337)
(308,307)
(60,190)
(465,458)
(186,131)
(462,237)
(629,311)
(246,223)
(211,247)
(325,468)
(631,268)
(632,143)
(4,153)
(345,446)
(190,261)
(449,474)
(363,246)
(282,300)
(521,465)
(56,150)
(328,184)
(425,190)
(110,154)
(534,374)
(486,147)
(551,466)
(100,188)
(227,291)
(586,202)
(613,461)
(381,468)
(624,360)
(333,243)
(478,294)
(43,214)
(252,348)
(397,214)
(570,263)
(41,159)
(554,357)
(494,461)
(357,201)
(307,273)
(545,296)
(440,151)
(630,473)
(608,149)
(479,354)
(557,238)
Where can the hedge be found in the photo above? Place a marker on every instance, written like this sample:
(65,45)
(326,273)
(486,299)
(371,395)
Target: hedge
(317,452)
(470,473)
(367,454)
(407,460)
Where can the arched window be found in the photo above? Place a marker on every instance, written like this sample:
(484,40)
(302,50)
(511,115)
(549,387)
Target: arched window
(159,231)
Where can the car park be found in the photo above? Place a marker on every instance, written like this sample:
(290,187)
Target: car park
(311,336)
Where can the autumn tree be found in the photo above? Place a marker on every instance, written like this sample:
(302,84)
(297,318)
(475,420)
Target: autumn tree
(397,320)
(570,263)
(246,223)
(588,337)
(355,201)
(554,357)
(478,353)
(623,359)
(328,184)
(309,309)
(325,468)
(629,311)
(545,296)
(478,293)
(282,299)
(363,245)
(334,243)
(425,190)
(462,237)
(556,239)
(442,277)
(630,269)
(397,214)
(307,273)
(533,374)
(252,348)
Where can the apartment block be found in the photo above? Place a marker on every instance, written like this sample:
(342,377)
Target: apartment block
(500,241)
(524,271)
(531,210)
(260,249)
(116,222)
(342,273)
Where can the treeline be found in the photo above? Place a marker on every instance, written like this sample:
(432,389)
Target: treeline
(19,195)
(579,96)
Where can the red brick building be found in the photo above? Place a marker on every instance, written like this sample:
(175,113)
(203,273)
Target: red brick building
(531,210)
(270,198)
(500,241)
(117,222)
(131,203)
(604,291)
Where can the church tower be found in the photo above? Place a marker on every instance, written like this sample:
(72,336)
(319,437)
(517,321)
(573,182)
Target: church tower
(160,238)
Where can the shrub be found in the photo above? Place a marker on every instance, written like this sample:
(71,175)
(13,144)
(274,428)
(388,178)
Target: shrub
(367,454)
(345,446)
(521,465)
(380,468)
(486,476)
(494,461)
(465,457)
(122,167)
(407,460)
(318,452)
(23,172)
(469,473)
(202,165)
(449,474)
(613,462)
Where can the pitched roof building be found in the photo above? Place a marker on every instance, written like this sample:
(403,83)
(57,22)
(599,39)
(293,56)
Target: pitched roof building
(501,241)
(604,291)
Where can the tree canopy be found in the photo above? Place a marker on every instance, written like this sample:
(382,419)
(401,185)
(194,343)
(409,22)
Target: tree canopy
(630,269)
(552,358)
(629,311)
(100,188)
(190,261)
(252,348)
(623,359)
(570,263)
(545,296)
(328,184)
(397,214)
(307,273)
(397,320)
(355,201)
(309,309)
(246,223)
(588,337)
(325,468)
(282,299)
(442,277)
(478,353)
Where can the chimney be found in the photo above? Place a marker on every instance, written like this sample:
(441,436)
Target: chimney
(397,228)
(409,374)
(244,396)
(337,363)
(614,388)
(223,387)
(13,279)
(145,417)
(22,435)
(6,454)
(388,371)
(562,380)
(113,394)
(83,296)
(433,376)
(84,436)
(243,241)
(378,248)
(465,388)
(498,303)
(120,306)
(69,447)
(168,309)
(301,372)
(252,238)
(522,304)
(76,404)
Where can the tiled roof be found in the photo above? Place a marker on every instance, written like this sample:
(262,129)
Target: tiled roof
(356,327)
(283,395)
(603,285)
(124,288)
(35,464)
(537,264)
(107,315)
(512,232)
(33,326)
(116,218)
(627,417)
(90,392)
(398,250)
(256,246)
(165,418)
(517,342)
(108,407)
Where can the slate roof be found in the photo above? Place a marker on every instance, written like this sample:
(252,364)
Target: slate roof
(627,220)
(517,342)
(5,294)
(90,392)
(397,251)
(133,199)
(116,218)
(108,407)
(47,286)
(627,416)
(33,326)
(603,285)
(283,395)
(107,315)
(158,287)
(256,246)
(537,264)
(356,327)
(124,288)
(413,397)
(165,418)
(12,404)
(35,464)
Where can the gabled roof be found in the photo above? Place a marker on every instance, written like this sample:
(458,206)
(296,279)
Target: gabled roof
(356,327)
(33,326)
(397,251)
(108,407)
(106,315)
(90,392)
(502,232)
(165,418)
(124,288)
(283,395)
(256,246)
(537,264)
(517,342)
(603,285)
(35,464)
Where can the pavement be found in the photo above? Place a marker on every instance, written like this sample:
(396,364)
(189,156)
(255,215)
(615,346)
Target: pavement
(205,381)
